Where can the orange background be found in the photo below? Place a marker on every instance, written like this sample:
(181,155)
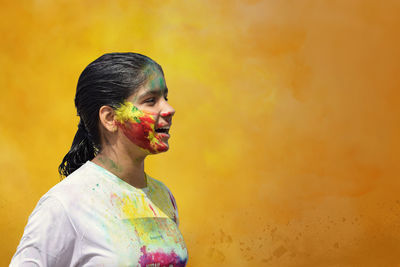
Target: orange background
(284,143)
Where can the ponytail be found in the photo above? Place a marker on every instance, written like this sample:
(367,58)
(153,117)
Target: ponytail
(82,150)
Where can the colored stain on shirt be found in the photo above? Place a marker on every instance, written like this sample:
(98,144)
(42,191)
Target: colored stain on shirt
(155,214)
(162,259)
(152,220)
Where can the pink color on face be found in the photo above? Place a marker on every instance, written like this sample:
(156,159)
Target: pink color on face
(165,114)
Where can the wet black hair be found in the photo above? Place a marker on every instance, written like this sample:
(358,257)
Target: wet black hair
(107,81)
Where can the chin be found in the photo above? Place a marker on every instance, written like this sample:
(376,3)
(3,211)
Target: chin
(152,150)
(164,149)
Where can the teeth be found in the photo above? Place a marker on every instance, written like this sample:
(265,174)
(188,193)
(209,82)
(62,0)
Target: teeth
(163,130)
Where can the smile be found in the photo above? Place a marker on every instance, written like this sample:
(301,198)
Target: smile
(164,130)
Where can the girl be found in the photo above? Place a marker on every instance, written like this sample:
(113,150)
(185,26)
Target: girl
(108,211)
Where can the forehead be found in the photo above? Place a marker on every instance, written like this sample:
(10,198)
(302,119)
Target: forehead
(154,77)
(155,84)
(150,70)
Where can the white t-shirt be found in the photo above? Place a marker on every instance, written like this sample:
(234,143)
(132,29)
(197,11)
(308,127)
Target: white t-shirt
(93,218)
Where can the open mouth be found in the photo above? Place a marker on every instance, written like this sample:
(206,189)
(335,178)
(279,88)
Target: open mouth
(162,130)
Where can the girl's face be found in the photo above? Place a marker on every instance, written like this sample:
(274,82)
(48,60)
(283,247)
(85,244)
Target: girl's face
(145,117)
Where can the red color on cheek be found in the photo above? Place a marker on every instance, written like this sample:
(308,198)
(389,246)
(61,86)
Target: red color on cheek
(139,134)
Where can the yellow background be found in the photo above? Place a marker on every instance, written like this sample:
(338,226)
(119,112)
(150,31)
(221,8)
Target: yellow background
(284,146)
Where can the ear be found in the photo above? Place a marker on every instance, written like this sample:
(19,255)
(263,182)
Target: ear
(106,116)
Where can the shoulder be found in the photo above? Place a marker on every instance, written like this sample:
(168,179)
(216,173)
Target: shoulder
(47,206)
(54,204)
(52,230)
(65,199)
(49,213)
(48,235)
(73,186)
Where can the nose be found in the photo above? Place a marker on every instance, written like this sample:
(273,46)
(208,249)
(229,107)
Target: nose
(168,111)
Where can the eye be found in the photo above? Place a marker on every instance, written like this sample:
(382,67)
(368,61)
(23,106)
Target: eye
(166,98)
(150,100)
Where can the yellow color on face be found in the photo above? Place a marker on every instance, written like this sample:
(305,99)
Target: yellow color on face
(128,112)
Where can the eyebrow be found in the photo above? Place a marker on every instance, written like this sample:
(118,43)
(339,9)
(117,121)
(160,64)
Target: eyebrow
(153,92)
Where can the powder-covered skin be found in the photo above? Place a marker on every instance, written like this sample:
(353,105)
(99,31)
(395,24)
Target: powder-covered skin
(139,127)
(110,163)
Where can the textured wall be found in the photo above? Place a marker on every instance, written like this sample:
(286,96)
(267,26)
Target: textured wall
(284,143)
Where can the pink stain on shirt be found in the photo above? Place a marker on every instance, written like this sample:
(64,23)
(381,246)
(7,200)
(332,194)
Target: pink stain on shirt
(153,210)
(113,198)
(160,259)
(172,200)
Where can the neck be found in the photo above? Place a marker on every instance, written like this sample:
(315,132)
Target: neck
(126,167)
